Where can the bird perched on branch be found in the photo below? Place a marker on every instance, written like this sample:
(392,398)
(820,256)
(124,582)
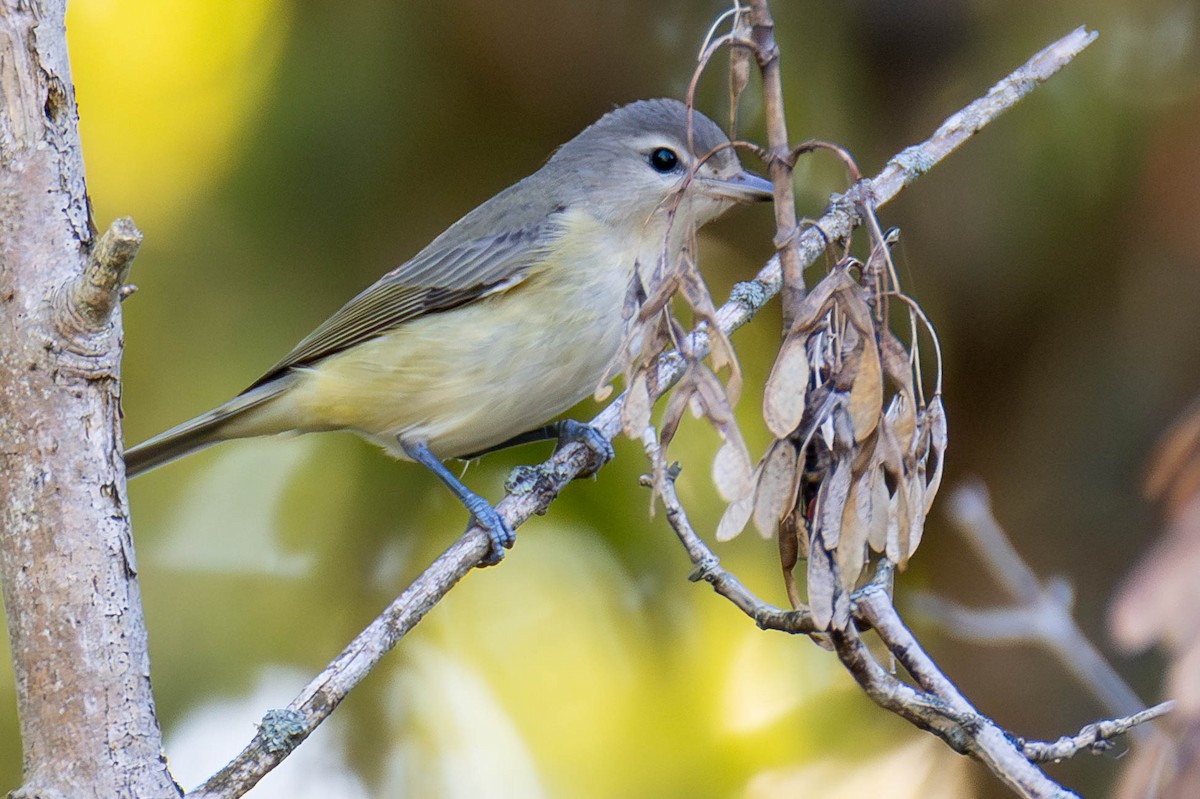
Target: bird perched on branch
(505,320)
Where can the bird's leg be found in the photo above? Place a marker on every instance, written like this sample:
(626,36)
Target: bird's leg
(499,533)
(529,437)
(566,431)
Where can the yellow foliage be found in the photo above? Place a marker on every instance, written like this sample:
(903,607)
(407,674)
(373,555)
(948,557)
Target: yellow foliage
(164,90)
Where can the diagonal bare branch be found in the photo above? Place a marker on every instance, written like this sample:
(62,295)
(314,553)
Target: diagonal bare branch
(531,490)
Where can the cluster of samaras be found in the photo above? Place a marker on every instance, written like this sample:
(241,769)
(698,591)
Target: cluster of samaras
(857,456)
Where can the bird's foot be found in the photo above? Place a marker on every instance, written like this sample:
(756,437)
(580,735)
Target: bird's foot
(499,533)
(571,432)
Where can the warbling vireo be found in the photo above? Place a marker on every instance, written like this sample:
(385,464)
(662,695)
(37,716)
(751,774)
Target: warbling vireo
(505,320)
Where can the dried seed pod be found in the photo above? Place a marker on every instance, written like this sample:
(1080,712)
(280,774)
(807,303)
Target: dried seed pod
(851,552)
(787,387)
(918,500)
(731,472)
(831,503)
(635,413)
(793,539)
(735,518)
(899,525)
(866,393)
(901,419)
(872,505)
(680,397)
(897,363)
(791,543)
(845,403)
(935,418)
(778,481)
(822,585)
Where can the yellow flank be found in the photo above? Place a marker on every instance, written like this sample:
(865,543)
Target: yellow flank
(463,380)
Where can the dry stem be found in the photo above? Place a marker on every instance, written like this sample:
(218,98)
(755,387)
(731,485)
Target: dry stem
(534,488)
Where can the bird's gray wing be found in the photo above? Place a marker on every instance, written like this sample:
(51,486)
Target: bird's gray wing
(436,279)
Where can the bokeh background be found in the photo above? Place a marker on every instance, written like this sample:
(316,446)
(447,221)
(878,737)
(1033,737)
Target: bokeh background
(280,155)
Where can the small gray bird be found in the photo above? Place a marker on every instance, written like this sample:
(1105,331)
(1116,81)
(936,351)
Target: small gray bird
(505,320)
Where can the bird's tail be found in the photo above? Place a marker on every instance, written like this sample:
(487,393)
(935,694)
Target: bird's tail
(227,421)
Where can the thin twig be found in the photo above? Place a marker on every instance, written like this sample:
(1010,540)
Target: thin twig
(936,706)
(706,565)
(982,738)
(919,708)
(779,159)
(1095,738)
(915,161)
(536,487)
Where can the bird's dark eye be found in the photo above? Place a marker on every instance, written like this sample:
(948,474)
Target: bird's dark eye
(664,160)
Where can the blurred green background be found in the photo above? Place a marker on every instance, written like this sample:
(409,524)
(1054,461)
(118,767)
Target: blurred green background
(280,155)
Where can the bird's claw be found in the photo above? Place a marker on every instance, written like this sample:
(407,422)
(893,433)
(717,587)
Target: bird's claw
(499,533)
(573,432)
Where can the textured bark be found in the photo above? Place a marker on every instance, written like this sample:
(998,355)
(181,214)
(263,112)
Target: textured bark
(70,591)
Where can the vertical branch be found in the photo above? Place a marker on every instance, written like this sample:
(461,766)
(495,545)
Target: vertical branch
(71,597)
(779,161)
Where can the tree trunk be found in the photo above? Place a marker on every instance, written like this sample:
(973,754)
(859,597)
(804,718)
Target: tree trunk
(70,591)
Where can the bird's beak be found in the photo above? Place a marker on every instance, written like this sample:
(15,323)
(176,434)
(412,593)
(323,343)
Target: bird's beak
(744,187)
